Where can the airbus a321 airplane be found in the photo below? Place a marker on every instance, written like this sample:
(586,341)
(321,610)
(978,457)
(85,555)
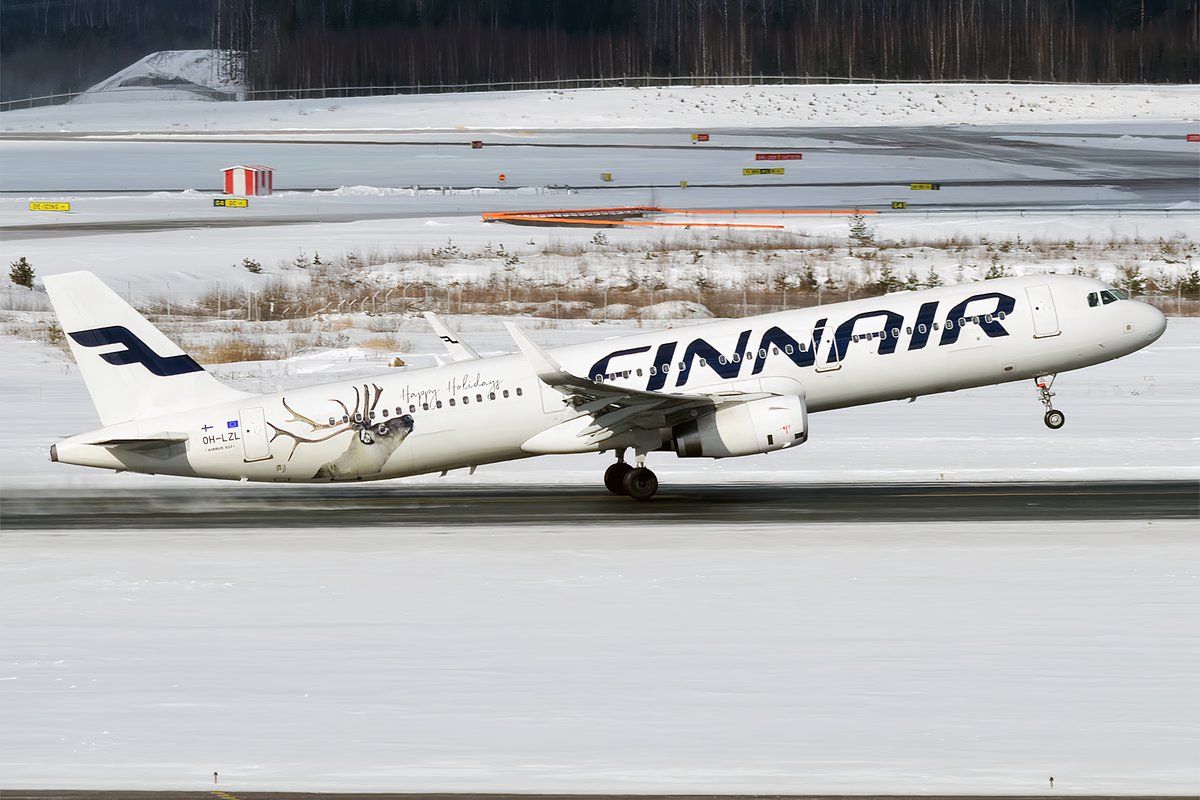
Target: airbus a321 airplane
(732,388)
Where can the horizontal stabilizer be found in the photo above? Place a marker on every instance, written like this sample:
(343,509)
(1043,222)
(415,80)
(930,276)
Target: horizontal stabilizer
(144,442)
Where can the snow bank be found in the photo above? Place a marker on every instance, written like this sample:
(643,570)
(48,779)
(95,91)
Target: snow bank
(675,309)
(608,109)
(165,75)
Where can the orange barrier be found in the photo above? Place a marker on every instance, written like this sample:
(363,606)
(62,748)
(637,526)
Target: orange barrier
(620,215)
(629,223)
(833,212)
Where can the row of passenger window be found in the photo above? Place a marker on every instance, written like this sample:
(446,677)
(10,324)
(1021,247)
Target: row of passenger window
(762,353)
(436,404)
(962,321)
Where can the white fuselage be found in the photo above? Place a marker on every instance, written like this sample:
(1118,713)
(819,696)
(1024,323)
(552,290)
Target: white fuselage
(483,411)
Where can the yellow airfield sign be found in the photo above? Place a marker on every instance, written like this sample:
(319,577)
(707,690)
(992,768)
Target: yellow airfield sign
(44,206)
(763,171)
(924,187)
(899,204)
(231,202)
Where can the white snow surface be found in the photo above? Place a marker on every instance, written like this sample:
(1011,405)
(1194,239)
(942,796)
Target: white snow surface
(879,658)
(188,262)
(165,75)
(679,107)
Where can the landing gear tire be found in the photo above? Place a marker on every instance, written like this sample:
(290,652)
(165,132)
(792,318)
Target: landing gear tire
(1054,418)
(640,483)
(614,477)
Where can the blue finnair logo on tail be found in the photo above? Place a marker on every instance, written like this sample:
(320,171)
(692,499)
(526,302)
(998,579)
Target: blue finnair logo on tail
(136,351)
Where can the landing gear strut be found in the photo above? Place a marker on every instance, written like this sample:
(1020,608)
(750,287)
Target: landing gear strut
(636,482)
(1054,418)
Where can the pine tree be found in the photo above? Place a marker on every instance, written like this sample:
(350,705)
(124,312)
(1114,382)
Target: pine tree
(1133,279)
(1189,284)
(860,234)
(21,273)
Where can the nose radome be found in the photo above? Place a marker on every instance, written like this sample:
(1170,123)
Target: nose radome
(1157,323)
(1153,323)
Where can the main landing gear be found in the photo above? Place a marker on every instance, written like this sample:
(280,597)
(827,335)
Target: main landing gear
(636,482)
(1054,418)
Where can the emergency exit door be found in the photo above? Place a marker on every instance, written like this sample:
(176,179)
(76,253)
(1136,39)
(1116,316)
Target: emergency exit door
(1045,318)
(253,426)
(824,345)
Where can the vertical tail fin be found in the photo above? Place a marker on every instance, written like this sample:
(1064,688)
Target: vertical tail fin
(130,368)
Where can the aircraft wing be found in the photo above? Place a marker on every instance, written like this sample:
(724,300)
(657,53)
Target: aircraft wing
(456,347)
(617,409)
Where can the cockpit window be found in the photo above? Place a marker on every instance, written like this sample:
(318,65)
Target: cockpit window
(1107,296)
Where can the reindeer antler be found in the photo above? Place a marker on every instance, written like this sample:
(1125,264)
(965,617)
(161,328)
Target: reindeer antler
(298,417)
(299,440)
(364,405)
(375,402)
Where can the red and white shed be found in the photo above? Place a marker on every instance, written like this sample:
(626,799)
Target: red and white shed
(252,180)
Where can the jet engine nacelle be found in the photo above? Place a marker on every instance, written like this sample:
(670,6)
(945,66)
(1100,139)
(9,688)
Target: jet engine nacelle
(758,426)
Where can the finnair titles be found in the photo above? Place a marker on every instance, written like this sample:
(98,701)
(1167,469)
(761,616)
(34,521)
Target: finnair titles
(724,389)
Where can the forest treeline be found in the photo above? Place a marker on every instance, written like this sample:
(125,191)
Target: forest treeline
(318,43)
(49,46)
(312,43)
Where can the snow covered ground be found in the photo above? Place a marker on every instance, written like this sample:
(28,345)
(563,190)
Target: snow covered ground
(187,262)
(889,658)
(679,107)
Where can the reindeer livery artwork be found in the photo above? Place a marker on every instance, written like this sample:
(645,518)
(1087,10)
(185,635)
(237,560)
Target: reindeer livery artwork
(367,450)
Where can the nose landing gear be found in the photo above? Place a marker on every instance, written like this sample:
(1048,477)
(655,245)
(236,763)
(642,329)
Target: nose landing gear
(637,482)
(1054,418)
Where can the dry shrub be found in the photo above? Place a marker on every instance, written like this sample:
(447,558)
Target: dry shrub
(231,350)
(383,344)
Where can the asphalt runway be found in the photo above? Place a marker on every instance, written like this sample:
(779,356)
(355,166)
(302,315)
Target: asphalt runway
(398,505)
(222,794)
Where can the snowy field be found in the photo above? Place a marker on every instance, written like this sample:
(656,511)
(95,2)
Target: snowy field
(189,261)
(1092,163)
(898,658)
(680,107)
